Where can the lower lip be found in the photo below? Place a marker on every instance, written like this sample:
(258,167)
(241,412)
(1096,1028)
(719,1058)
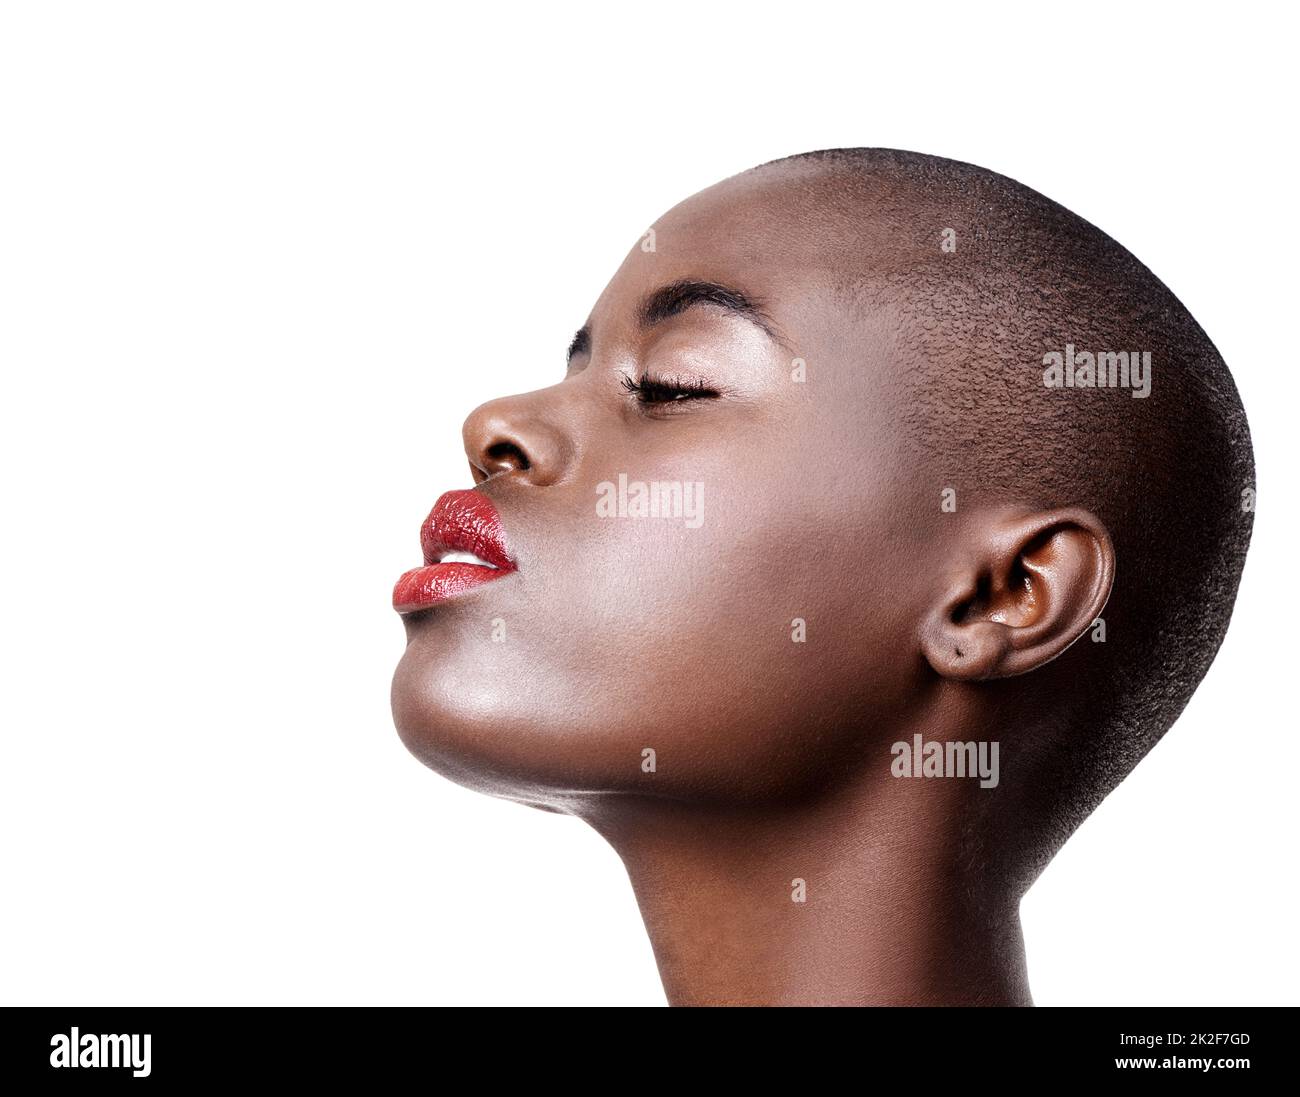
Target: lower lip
(423,587)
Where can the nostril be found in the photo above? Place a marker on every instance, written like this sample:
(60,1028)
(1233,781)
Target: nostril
(504,456)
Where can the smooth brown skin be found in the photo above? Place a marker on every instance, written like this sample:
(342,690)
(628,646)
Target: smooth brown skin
(773,757)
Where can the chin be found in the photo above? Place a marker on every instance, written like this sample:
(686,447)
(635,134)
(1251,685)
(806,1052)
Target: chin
(491,731)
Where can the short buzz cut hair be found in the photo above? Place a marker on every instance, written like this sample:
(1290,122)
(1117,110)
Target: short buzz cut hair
(1170,474)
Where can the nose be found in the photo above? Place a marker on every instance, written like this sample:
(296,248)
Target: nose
(517,436)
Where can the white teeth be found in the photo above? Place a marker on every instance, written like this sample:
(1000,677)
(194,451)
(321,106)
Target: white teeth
(464,558)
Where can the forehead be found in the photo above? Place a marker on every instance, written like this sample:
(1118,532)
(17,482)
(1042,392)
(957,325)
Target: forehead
(790,239)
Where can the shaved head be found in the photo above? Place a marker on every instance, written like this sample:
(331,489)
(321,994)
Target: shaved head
(983,283)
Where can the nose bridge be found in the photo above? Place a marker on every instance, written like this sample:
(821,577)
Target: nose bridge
(525,434)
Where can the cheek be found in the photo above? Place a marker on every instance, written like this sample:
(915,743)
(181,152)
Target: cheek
(790,658)
(747,653)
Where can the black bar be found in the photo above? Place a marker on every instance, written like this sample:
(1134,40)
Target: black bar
(606,1048)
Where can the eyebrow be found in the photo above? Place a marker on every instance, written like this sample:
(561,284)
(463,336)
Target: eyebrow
(677,297)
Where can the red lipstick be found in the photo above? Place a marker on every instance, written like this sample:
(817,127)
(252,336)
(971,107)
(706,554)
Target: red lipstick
(461,524)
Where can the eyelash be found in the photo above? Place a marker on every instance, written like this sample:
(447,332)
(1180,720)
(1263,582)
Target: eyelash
(666,390)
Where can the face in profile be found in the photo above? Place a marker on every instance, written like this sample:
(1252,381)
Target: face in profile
(613,631)
(803,495)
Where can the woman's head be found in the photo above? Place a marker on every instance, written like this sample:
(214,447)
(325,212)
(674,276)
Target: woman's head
(804,491)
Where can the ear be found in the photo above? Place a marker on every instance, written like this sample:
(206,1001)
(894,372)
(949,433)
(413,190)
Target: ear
(1024,589)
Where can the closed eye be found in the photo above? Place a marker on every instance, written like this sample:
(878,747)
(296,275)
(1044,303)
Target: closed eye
(667,390)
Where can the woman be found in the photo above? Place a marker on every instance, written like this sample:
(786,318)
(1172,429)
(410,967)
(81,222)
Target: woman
(779,588)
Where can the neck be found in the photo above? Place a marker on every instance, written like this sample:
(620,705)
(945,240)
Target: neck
(887,913)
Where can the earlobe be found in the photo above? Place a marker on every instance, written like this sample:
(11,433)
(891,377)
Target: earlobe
(965,650)
(1026,588)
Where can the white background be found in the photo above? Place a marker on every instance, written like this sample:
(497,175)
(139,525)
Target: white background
(257,263)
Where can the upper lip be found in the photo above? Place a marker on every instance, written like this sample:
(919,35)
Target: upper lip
(465,521)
